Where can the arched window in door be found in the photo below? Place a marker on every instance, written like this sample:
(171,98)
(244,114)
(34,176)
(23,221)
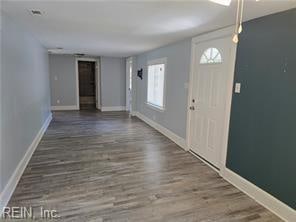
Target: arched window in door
(211,56)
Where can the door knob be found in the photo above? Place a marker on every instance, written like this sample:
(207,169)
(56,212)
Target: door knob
(191,108)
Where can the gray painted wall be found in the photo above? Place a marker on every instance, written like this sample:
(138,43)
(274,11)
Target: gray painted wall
(177,76)
(113,78)
(25,94)
(63,80)
(62,69)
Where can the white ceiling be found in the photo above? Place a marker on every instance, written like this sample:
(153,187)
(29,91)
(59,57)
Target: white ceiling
(123,28)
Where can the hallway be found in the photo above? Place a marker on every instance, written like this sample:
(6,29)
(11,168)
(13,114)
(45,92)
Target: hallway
(93,166)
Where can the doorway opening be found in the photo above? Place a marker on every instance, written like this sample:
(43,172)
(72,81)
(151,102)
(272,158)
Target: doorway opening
(129,83)
(87,84)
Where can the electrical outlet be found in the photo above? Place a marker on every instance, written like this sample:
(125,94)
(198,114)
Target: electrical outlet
(58,101)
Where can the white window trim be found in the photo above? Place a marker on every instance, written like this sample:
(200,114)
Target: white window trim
(154,107)
(156,62)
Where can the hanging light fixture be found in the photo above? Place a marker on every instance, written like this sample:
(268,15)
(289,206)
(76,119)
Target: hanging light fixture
(239,16)
(240,28)
(239,20)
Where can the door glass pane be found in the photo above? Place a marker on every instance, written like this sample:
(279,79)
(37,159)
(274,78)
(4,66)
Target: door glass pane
(211,56)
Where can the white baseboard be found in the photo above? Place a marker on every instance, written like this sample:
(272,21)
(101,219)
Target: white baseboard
(15,177)
(57,108)
(134,113)
(262,197)
(113,108)
(166,132)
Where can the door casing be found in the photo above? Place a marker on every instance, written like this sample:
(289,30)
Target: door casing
(129,93)
(221,33)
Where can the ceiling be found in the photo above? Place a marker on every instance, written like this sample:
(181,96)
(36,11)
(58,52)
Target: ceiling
(124,28)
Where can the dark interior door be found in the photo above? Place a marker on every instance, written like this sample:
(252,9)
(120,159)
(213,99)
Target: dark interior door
(87,86)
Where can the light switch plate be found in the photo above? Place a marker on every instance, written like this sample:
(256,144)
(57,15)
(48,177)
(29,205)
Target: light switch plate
(237,88)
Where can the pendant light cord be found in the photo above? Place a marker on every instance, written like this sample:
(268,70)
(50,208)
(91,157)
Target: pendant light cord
(237,16)
(241,12)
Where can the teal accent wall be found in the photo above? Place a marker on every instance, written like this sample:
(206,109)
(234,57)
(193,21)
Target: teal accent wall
(262,139)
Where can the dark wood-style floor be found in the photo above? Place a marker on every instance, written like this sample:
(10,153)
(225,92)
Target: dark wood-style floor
(93,166)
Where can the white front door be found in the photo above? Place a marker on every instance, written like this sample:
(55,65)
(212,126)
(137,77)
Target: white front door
(211,75)
(129,72)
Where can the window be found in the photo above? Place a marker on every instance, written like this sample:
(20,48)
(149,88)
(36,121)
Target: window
(211,56)
(155,87)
